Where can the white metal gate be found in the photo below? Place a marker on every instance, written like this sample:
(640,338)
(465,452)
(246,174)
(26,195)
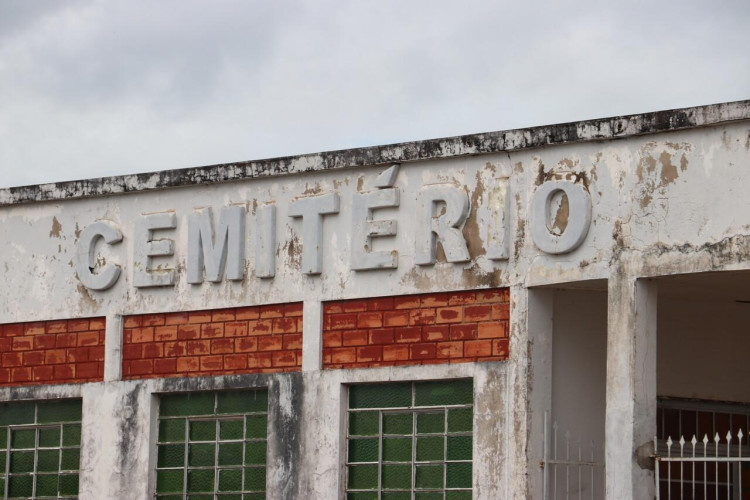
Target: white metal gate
(571,467)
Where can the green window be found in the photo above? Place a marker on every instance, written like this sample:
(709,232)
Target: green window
(41,448)
(410,441)
(212,445)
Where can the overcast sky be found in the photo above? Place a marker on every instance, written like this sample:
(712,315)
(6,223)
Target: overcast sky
(96,88)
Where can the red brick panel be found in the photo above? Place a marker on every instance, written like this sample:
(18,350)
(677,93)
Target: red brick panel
(260,339)
(453,327)
(52,352)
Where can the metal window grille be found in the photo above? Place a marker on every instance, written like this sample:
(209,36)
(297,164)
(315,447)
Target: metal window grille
(572,468)
(205,451)
(410,450)
(40,456)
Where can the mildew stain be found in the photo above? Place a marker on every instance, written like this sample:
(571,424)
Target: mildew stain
(56,228)
(471,226)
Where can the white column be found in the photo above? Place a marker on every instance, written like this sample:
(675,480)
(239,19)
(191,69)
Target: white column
(631,387)
(312,335)
(113,348)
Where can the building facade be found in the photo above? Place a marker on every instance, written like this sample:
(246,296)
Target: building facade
(521,314)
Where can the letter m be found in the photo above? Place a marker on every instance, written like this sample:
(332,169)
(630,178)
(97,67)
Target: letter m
(224,250)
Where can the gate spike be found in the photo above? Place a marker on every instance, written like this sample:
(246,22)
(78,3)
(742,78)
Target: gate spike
(740,435)
(717,439)
(693,441)
(729,437)
(669,441)
(705,439)
(682,441)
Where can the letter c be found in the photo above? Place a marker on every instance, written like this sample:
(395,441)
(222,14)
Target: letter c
(86,256)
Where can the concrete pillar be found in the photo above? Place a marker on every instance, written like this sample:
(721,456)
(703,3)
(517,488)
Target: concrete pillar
(631,387)
(312,336)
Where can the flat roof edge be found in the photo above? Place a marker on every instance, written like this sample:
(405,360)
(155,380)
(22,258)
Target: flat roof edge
(618,127)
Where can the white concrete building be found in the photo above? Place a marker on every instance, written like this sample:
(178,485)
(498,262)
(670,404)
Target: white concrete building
(439,319)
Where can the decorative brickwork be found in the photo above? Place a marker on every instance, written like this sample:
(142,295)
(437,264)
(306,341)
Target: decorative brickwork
(260,339)
(52,352)
(453,327)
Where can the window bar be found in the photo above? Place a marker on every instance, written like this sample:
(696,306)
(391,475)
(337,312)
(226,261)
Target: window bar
(185,459)
(7,461)
(716,455)
(413,451)
(216,452)
(36,462)
(729,443)
(445,452)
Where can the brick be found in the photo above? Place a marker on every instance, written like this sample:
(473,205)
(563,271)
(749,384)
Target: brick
(463,332)
(188,332)
(450,349)
(260,327)
(64,372)
(132,351)
(96,353)
(222,346)
(12,329)
(292,341)
(354,337)
(56,326)
(408,334)
(175,349)
(395,352)
(10,359)
(344,355)
(477,348)
(406,302)
(395,318)
(137,366)
(272,311)
(153,320)
(369,320)
(209,363)
(334,307)
(369,354)
(199,317)
(269,343)
(358,305)
(326,357)
(259,360)
(435,333)
(422,316)
(174,319)
(165,366)
(382,336)
(132,322)
(4,375)
(78,325)
(44,341)
(22,343)
(284,358)
(36,328)
(293,310)
(449,315)
(188,364)
(422,351)
(491,330)
(381,304)
(222,315)
(43,373)
(500,348)
(235,361)
(500,311)
(145,334)
(495,295)
(478,313)
(98,323)
(79,355)
(434,300)
(235,329)
(153,350)
(66,339)
(165,333)
(247,344)
(55,356)
(461,298)
(20,374)
(6,344)
(343,321)
(31,358)
(245,313)
(332,339)
(212,330)
(284,325)
(198,347)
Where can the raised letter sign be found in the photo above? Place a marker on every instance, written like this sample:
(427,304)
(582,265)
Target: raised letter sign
(364,229)
(312,210)
(86,256)
(499,230)
(215,253)
(579,217)
(265,249)
(444,225)
(146,247)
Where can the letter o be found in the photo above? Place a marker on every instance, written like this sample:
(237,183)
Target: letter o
(579,219)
